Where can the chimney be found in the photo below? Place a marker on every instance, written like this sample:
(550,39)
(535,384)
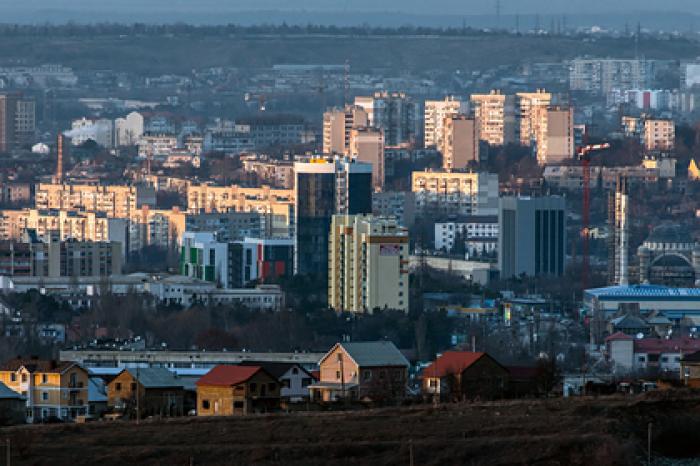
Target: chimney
(59,160)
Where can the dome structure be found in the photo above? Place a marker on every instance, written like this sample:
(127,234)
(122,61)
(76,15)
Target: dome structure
(669,256)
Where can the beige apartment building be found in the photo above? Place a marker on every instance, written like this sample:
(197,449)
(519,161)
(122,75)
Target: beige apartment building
(113,200)
(460,143)
(454,193)
(276,204)
(368,264)
(659,135)
(496,115)
(531,108)
(434,116)
(367,145)
(555,136)
(338,123)
(60,225)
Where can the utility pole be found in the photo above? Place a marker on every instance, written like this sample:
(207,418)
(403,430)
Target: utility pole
(649,429)
(410,452)
(8,452)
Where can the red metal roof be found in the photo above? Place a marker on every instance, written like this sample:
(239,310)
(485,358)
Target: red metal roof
(227,376)
(660,345)
(451,362)
(619,336)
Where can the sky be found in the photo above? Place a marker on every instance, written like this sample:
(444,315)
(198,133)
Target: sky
(676,13)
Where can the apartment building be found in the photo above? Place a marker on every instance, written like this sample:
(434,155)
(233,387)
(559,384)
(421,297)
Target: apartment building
(555,136)
(277,173)
(460,142)
(276,204)
(392,112)
(659,135)
(53,389)
(530,109)
(601,76)
(118,201)
(367,145)
(398,204)
(495,113)
(434,115)
(337,126)
(368,264)
(60,259)
(453,193)
(479,234)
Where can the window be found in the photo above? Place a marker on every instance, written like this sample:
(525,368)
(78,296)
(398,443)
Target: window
(337,375)
(44,378)
(295,370)
(366,374)
(13,377)
(272,386)
(24,377)
(433,383)
(133,386)
(285,383)
(238,405)
(306,381)
(118,387)
(640,358)
(205,404)
(253,387)
(44,396)
(664,359)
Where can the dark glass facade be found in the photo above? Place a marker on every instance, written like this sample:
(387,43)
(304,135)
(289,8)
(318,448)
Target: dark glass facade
(315,205)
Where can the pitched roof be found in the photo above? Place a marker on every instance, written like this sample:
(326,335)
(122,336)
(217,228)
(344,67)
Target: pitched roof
(155,377)
(629,321)
(227,376)
(662,345)
(373,353)
(7,393)
(618,336)
(275,369)
(37,365)
(693,357)
(451,362)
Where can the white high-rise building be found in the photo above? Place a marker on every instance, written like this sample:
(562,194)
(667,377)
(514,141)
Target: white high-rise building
(434,116)
(128,130)
(495,113)
(367,264)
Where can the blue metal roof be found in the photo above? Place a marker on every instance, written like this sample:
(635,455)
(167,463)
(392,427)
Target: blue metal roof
(644,292)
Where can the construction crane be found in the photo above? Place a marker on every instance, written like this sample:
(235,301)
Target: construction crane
(583,153)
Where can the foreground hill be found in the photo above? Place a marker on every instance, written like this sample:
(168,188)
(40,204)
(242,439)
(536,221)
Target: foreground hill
(548,432)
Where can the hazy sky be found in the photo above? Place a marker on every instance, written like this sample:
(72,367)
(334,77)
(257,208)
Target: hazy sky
(406,6)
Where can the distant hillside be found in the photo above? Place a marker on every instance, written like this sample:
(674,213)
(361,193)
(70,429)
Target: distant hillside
(179,52)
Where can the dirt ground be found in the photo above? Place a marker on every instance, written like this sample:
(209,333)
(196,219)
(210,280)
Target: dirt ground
(602,431)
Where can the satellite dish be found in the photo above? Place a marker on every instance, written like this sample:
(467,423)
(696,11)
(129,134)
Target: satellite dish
(640,335)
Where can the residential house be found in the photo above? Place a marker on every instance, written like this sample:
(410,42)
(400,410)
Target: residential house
(459,375)
(53,389)
(148,391)
(12,406)
(690,369)
(294,379)
(236,391)
(97,397)
(373,371)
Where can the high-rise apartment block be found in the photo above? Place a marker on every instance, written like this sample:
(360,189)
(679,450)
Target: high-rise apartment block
(495,113)
(434,116)
(17,121)
(454,193)
(392,112)
(531,111)
(659,135)
(368,264)
(555,136)
(601,76)
(532,236)
(338,123)
(323,188)
(367,145)
(460,142)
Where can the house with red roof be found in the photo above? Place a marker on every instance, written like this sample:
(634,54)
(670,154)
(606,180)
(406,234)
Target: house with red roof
(459,375)
(228,390)
(628,354)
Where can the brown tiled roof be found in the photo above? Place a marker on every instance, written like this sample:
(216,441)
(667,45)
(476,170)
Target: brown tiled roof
(228,376)
(36,365)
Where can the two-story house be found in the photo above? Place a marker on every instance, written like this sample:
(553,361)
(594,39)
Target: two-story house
(237,390)
(371,371)
(294,379)
(148,391)
(53,389)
